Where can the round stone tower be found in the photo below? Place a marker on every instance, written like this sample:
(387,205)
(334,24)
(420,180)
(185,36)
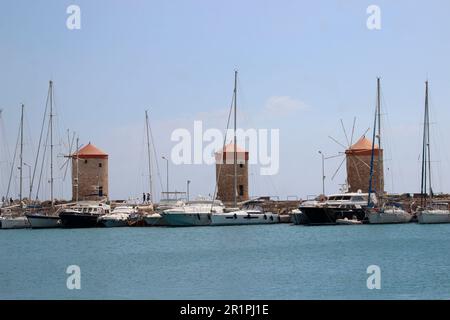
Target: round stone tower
(358,167)
(89,174)
(225,174)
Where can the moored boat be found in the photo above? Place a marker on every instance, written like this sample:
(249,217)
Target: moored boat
(429,212)
(388,214)
(10,222)
(83,215)
(194,213)
(250,214)
(119,217)
(43,221)
(349,222)
(435,213)
(336,206)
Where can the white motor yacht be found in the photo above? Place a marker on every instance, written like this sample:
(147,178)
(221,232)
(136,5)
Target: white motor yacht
(194,213)
(119,217)
(250,214)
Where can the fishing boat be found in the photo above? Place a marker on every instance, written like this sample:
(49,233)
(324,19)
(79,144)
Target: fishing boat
(119,217)
(83,215)
(383,212)
(429,212)
(193,213)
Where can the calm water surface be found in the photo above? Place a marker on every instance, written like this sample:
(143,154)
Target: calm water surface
(245,262)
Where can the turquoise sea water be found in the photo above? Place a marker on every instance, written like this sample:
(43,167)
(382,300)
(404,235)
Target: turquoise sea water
(240,262)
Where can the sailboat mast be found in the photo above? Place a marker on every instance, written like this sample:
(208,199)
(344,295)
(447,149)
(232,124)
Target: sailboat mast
(369,199)
(21,154)
(51,140)
(149,157)
(423,186)
(428,139)
(76,169)
(380,174)
(235,140)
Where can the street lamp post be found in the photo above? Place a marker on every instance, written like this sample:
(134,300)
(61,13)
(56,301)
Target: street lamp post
(167,176)
(323,172)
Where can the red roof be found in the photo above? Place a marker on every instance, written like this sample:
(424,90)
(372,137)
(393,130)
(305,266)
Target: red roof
(226,154)
(91,151)
(230,148)
(362,146)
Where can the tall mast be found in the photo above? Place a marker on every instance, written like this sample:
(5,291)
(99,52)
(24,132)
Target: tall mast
(377,115)
(149,157)
(76,169)
(21,154)
(51,140)
(428,138)
(380,173)
(235,140)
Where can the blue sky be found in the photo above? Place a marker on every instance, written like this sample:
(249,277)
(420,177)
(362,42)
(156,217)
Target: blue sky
(177,58)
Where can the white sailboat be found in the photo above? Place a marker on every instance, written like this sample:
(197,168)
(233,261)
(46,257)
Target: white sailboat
(49,219)
(8,218)
(249,214)
(388,212)
(428,211)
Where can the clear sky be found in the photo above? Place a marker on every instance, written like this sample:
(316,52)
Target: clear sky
(303,65)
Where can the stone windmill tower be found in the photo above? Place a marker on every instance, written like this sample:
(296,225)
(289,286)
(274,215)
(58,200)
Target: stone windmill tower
(225,174)
(358,158)
(89,174)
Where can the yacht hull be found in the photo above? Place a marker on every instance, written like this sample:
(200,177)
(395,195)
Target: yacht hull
(427,217)
(14,223)
(155,220)
(43,222)
(389,217)
(233,219)
(187,219)
(299,218)
(329,215)
(111,223)
(79,220)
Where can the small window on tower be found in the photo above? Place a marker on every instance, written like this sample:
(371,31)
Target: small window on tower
(85,161)
(99,165)
(241,190)
(241,165)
